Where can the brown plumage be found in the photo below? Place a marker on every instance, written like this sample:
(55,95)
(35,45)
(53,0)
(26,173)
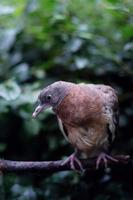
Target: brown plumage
(87,115)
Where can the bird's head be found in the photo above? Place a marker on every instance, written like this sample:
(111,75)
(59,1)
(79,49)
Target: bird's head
(51,96)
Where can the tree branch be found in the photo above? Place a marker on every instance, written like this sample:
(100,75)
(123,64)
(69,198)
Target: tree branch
(54,166)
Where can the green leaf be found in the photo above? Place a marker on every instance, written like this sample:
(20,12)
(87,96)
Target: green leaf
(32,126)
(2,147)
(9,90)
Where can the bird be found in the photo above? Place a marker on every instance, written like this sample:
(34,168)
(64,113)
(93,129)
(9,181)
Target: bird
(88,117)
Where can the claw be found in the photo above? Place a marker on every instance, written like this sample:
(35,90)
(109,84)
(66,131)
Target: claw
(104,157)
(75,163)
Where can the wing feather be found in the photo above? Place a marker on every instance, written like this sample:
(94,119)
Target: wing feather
(111,110)
(109,99)
(63,129)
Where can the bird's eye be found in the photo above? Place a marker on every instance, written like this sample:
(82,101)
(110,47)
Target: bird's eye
(48,97)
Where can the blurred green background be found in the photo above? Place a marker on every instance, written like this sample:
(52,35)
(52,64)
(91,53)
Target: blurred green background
(42,41)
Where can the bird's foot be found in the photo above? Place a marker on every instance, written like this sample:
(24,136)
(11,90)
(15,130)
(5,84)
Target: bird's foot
(104,158)
(75,163)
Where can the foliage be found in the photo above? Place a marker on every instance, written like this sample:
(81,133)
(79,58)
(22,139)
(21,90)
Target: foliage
(44,41)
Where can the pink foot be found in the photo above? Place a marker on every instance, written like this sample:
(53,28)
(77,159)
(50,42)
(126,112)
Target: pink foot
(75,163)
(104,157)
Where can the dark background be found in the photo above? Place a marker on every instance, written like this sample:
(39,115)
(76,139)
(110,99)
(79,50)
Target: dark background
(42,41)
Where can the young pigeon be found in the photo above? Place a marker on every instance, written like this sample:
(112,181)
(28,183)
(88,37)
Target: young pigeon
(87,116)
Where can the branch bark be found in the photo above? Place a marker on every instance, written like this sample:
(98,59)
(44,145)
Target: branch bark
(7,166)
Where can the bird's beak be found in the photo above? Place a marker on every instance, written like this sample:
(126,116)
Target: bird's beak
(39,109)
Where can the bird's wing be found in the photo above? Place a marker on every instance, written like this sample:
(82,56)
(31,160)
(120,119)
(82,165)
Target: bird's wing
(109,99)
(110,108)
